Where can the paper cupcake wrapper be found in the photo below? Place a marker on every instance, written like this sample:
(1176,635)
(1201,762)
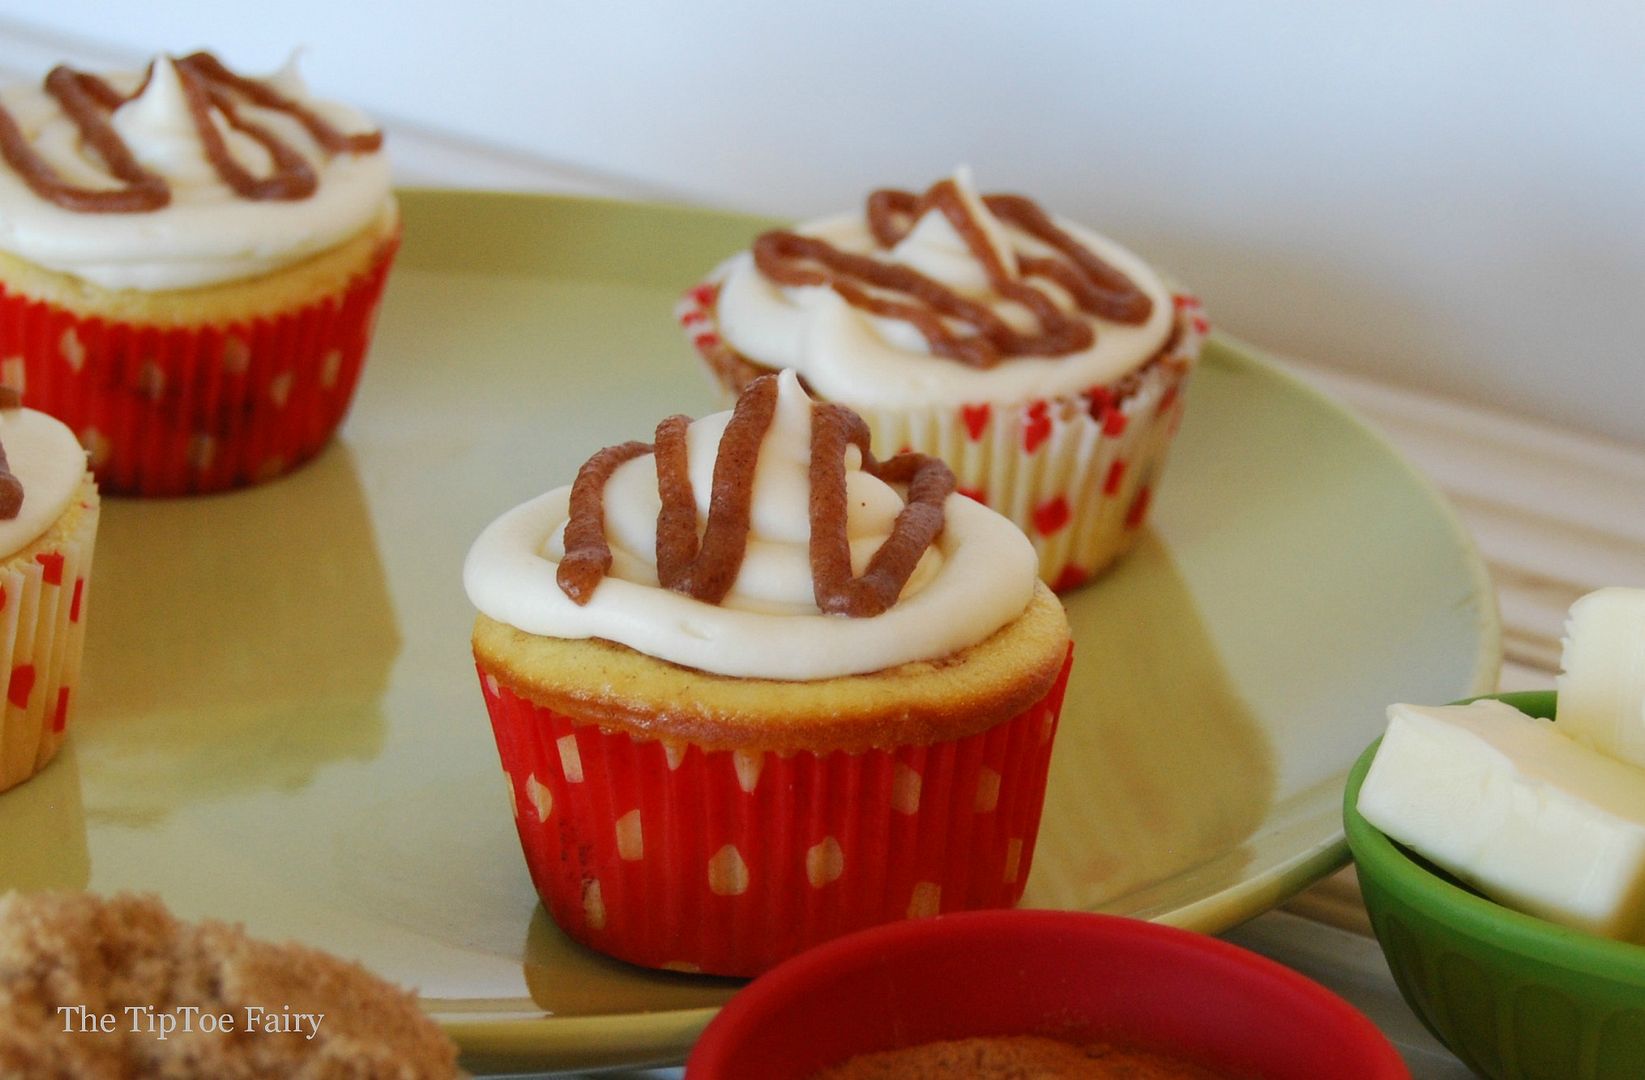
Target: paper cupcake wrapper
(1076,474)
(193,409)
(726,862)
(43,605)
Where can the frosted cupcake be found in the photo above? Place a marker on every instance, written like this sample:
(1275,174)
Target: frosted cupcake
(834,709)
(48,525)
(190,262)
(1045,363)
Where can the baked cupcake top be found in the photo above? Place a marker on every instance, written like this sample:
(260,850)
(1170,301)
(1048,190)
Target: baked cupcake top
(760,511)
(41,467)
(949,297)
(182,175)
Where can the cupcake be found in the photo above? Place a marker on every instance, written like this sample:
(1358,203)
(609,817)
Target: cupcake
(752,688)
(1043,362)
(190,263)
(48,523)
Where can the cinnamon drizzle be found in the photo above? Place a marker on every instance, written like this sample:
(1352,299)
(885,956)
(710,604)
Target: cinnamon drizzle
(1098,289)
(706,570)
(833,428)
(208,87)
(587,555)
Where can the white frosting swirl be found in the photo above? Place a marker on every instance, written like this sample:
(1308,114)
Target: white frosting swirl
(207,234)
(44,454)
(850,356)
(977,577)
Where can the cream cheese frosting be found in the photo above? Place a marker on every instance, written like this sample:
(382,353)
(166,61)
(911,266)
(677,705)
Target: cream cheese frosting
(206,234)
(856,358)
(49,461)
(978,576)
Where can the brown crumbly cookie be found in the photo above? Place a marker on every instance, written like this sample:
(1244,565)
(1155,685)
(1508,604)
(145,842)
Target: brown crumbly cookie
(122,957)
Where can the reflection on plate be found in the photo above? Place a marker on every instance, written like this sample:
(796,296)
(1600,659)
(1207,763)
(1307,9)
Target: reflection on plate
(320,766)
(250,607)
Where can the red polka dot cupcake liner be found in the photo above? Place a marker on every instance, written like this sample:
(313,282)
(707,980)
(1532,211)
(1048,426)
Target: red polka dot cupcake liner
(44,596)
(1077,474)
(668,855)
(183,410)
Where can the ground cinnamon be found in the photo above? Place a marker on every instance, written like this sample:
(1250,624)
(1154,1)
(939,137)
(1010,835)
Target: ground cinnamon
(1016,1057)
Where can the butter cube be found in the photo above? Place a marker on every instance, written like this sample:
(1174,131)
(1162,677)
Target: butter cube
(1506,803)
(1602,682)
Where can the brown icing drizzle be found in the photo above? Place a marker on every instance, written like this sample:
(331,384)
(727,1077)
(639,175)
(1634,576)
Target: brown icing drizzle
(11,488)
(833,428)
(707,569)
(1098,289)
(211,90)
(587,555)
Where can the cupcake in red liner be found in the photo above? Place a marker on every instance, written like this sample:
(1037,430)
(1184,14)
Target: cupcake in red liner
(190,265)
(1043,362)
(48,527)
(833,709)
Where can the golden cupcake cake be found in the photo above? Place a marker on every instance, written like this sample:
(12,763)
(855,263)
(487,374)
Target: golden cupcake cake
(1045,363)
(753,688)
(48,527)
(190,264)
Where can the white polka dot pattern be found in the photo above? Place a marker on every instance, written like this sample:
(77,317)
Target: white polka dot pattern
(824,862)
(669,854)
(748,766)
(14,374)
(905,791)
(594,905)
(279,389)
(630,837)
(151,381)
(74,353)
(236,355)
(201,449)
(542,799)
(727,873)
(269,391)
(571,760)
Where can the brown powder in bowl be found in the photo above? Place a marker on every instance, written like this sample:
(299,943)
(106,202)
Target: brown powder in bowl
(1015,1057)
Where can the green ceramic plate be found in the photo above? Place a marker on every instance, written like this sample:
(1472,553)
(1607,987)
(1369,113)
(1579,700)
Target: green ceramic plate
(281,725)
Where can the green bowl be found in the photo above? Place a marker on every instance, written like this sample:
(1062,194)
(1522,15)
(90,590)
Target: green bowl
(1509,994)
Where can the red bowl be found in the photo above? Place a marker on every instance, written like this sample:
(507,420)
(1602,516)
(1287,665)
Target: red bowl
(1067,975)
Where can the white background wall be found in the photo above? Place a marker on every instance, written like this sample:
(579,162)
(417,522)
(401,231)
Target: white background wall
(1448,195)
